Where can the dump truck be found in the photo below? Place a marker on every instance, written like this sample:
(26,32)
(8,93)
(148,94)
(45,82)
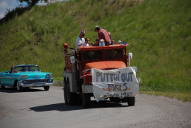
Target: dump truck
(99,73)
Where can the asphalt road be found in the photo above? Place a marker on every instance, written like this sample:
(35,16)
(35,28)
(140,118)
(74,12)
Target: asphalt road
(46,109)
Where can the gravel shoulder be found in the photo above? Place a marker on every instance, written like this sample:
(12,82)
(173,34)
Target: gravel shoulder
(36,108)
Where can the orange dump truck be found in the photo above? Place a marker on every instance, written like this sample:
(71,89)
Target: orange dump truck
(99,73)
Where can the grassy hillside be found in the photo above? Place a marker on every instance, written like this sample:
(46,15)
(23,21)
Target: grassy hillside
(158,32)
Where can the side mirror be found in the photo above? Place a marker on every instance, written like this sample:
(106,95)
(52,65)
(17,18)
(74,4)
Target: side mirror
(72,59)
(130,57)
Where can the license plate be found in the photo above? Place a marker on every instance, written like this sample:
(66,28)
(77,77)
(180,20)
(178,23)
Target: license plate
(118,90)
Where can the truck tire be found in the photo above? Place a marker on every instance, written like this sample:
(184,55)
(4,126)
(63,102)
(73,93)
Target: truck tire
(131,101)
(66,97)
(85,100)
(70,98)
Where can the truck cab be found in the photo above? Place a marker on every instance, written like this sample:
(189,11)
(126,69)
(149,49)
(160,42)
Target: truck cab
(82,69)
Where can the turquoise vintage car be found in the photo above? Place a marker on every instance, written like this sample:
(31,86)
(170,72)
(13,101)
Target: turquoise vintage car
(24,76)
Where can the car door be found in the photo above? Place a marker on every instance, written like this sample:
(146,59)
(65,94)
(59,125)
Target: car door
(4,78)
(8,79)
(11,79)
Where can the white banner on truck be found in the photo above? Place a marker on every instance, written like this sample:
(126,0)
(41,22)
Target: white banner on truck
(114,83)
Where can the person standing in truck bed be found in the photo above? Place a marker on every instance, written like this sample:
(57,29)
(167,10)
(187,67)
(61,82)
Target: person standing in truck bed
(103,34)
(80,41)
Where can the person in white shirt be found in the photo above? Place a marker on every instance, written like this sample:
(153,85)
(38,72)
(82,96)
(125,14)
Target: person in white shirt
(87,42)
(80,41)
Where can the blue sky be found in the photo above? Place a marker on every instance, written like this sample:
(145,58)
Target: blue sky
(7,4)
(10,4)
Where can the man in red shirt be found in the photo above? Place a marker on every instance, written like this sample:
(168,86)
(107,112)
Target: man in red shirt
(103,34)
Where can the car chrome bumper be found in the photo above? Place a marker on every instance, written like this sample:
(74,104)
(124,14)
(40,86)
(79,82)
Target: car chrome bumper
(35,84)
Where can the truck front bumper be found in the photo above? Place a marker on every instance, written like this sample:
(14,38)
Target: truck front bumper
(88,89)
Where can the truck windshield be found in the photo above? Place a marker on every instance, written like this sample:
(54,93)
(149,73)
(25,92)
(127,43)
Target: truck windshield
(114,54)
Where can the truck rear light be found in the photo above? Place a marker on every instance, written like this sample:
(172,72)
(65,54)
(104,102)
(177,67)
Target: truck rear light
(87,78)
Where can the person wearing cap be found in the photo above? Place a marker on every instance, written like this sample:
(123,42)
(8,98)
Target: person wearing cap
(103,34)
(80,41)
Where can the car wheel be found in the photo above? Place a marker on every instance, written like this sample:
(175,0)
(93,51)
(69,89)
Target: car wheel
(18,87)
(3,87)
(46,88)
(131,101)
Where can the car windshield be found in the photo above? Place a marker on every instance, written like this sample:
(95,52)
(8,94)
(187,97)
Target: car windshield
(26,69)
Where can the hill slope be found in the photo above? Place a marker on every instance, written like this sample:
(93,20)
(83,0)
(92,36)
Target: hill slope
(158,32)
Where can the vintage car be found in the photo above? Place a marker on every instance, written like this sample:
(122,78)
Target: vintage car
(25,76)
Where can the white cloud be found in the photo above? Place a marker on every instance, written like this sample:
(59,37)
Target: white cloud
(7,4)
(1,15)
(3,4)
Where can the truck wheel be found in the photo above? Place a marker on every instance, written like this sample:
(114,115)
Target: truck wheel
(85,100)
(65,95)
(131,101)
(70,98)
(18,87)
(46,88)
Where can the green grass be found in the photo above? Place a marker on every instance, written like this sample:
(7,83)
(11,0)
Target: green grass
(158,33)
